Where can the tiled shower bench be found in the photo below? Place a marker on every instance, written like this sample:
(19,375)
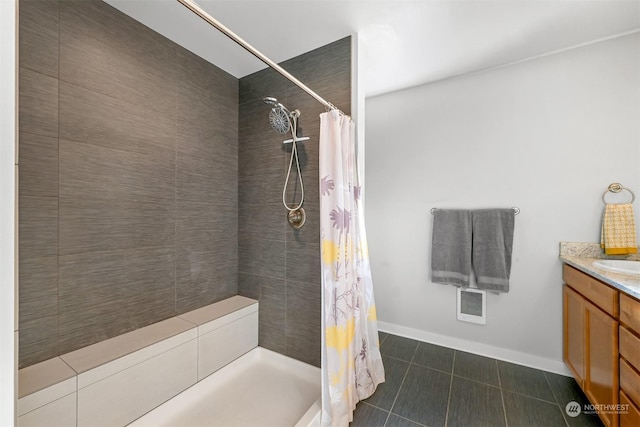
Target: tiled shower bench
(113,382)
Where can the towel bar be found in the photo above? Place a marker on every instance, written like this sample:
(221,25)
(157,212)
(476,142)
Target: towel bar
(616,188)
(516,210)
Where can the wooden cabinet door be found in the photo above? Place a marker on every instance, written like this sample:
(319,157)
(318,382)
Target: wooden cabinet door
(602,381)
(574,334)
(631,417)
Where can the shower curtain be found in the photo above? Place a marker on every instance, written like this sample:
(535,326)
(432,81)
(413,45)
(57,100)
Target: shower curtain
(351,362)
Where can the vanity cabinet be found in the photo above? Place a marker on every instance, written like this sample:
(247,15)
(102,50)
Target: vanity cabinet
(591,313)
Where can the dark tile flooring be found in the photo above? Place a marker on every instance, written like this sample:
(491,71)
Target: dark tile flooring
(429,385)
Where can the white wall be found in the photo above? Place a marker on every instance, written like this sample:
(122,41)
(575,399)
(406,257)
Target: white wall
(548,136)
(7,209)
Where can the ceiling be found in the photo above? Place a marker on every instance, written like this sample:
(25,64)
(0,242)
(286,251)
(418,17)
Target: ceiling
(405,42)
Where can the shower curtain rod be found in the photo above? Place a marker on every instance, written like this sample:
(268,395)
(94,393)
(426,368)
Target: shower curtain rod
(191,5)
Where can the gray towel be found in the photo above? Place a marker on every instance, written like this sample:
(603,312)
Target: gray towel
(492,245)
(451,247)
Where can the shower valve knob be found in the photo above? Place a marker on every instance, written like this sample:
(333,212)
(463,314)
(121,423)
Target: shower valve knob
(297,218)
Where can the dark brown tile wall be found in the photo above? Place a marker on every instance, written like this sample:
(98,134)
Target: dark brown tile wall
(128,181)
(150,184)
(278,265)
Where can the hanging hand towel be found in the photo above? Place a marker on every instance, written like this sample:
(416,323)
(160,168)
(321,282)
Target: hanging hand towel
(618,233)
(451,247)
(492,245)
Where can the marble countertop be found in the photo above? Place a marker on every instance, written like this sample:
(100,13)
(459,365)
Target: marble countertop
(629,284)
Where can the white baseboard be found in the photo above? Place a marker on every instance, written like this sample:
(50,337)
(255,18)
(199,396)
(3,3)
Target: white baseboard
(519,358)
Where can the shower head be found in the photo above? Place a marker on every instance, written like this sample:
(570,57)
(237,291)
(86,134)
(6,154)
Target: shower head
(279,116)
(280,121)
(273,102)
(269,100)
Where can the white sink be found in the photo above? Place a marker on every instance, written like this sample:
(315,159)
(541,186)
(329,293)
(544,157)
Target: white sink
(619,266)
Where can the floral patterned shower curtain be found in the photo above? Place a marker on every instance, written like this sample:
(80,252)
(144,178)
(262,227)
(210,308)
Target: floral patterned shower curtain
(351,362)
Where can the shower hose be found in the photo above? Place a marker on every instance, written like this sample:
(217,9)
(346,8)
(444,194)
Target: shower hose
(294,153)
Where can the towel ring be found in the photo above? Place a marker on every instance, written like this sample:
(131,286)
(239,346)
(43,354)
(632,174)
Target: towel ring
(616,188)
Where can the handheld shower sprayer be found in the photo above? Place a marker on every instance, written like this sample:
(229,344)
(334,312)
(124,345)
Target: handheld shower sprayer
(282,120)
(279,116)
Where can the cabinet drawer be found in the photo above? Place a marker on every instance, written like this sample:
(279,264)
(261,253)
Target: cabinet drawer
(630,418)
(630,313)
(629,346)
(594,290)
(629,381)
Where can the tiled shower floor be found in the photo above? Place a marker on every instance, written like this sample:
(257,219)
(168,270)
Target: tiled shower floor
(428,385)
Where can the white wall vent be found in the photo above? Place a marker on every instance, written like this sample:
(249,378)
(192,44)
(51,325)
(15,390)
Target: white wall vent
(472,306)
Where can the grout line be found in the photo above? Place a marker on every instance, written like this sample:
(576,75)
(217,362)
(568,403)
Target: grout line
(398,392)
(362,402)
(564,416)
(282,279)
(475,381)
(413,356)
(383,339)
(504,407)
(446,417)
(532,397)
(58,219)
(551,388)
(404,360)
(389,414)
(175,203)
(562,410)
(410,420)
(286,286)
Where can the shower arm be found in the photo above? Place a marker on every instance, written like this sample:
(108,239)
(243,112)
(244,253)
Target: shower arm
(192,6)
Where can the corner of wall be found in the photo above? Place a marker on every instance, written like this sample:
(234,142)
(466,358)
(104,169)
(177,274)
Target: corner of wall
(357,100)
(8,119)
